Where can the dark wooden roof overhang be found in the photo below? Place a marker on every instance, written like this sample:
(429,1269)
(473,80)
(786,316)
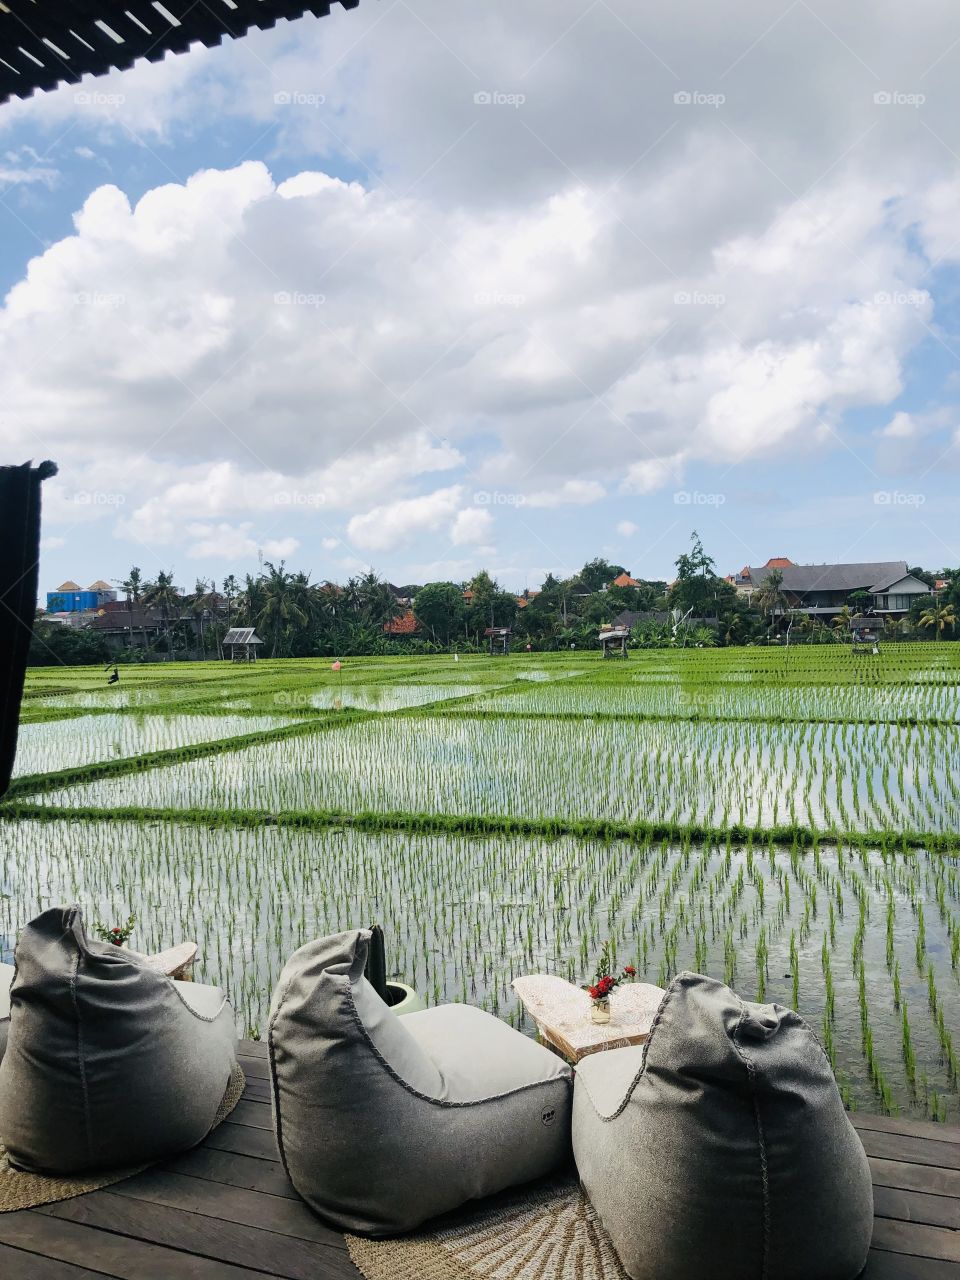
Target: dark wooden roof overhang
(46,43)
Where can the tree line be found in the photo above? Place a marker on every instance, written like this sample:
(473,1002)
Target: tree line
(295,617)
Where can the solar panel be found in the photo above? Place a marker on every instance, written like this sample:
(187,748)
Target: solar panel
(242,635)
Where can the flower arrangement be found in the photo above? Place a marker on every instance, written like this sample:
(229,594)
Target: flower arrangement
(118,934)
(604,983)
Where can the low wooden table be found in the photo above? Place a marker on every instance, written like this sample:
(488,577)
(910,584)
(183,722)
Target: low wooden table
(562,1014)
(175,962)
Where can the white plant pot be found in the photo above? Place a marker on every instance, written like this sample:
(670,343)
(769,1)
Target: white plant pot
(407,999)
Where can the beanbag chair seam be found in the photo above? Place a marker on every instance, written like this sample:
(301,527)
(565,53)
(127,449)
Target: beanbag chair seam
(643,1062)
(189,1007)
(441,1102)
(274,1078)
(761,1143)
(81,1061)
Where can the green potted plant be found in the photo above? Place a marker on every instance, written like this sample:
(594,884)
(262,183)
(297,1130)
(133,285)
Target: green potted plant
(118,934)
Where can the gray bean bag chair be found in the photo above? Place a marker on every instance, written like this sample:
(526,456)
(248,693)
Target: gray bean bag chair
(721,1148)
(6,978)
(384,1122)
(108,1062)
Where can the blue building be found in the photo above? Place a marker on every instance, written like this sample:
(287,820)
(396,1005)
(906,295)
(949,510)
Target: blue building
(69,597)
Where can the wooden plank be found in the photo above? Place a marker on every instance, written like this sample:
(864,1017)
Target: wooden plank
(893,1266)
(258,1090)
(252,1113)
(34,1231)
(258,1068)
(916,1239)
(894,1146)
(233,1170)
(916,1206)
(15,1264)
(253,1049)
(231,1204)
(909,1128)
(206,1238)
(915,1177)
(244,1141)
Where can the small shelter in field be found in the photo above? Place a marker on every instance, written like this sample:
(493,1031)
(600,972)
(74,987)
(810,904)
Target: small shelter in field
(240,644)
(613,641)
(864,636)
(499,638)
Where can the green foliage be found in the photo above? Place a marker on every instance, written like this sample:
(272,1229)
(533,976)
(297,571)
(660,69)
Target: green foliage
(440,608)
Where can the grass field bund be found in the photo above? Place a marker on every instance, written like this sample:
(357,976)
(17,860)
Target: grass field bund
(787,820)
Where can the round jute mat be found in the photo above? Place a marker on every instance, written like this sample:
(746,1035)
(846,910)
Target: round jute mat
(548,1231)
(27,1190)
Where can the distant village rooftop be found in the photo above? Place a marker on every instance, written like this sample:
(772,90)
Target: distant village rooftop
(826,588)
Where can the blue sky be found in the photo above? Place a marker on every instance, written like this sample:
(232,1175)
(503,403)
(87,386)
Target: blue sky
(431,287)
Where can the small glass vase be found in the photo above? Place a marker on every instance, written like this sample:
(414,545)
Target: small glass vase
(600,1011)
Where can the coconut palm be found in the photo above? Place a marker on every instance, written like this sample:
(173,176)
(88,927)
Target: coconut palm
(769,596)
(132,586)
(163,595)
(200,605)
(843,619)
(938,617)
(280,608)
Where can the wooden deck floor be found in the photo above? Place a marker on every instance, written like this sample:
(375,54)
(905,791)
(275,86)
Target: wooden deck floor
(226,1211)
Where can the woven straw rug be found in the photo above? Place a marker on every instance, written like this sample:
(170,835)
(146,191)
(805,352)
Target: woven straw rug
(545,1232)
(27,1190)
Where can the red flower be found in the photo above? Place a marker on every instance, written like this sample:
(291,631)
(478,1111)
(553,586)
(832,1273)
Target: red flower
(593,993)
(605,986)
(629,970)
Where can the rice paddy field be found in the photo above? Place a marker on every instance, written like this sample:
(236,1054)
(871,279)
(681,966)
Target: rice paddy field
(786,820)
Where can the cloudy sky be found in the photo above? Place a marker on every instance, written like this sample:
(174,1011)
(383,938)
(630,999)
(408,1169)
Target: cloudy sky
(436,284)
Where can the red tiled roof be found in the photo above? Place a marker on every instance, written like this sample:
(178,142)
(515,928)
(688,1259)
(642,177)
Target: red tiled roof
(405,625)
(624,580)
(778,562)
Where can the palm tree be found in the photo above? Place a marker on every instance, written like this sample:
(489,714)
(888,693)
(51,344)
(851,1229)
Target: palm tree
(163,595)
(200,605)
(280,606)
(843,619)
(132,586)
(769,595)
(231,590)
(939,617)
